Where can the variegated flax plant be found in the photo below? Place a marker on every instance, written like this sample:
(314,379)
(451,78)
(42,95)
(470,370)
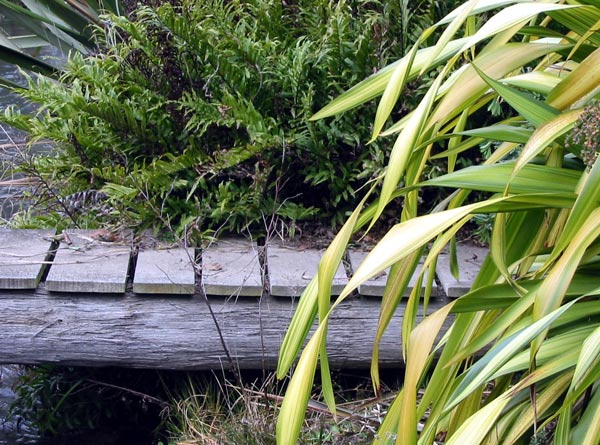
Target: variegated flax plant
(522,355)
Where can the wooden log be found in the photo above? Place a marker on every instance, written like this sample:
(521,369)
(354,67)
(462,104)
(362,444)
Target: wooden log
(174,332)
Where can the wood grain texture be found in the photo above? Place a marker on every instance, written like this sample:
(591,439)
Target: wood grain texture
(232,267)
(177,332)
(291,270)
(89,265)
(166,271)
(22,257)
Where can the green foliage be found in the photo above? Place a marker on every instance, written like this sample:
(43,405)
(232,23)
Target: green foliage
(197,114)
(520,361)
(71,401)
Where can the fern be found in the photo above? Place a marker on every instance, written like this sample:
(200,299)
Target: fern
(198,114)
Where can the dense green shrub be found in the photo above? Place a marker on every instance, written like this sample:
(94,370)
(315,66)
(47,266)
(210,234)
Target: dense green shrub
(197,114)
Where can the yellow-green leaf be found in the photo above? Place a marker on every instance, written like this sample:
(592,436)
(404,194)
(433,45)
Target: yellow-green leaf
(392,91)
(474,430)
(291,415)
(374,85)
(508,18)
(582,81)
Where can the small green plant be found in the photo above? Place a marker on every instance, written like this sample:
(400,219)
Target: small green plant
(484,224)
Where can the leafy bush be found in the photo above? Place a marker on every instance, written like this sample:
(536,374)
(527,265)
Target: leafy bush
(521,358)
(197,114)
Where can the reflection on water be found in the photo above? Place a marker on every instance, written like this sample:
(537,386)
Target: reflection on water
(13,142)
(12,431)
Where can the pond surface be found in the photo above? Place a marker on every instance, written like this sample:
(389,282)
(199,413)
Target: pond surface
(12,431)
(13,142)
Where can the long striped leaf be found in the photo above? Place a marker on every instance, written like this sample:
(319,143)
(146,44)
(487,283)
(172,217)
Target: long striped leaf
(548,394)
(482,6)
(374,85)
(535,81)
(507,133)
(587,430)
(584,81)
(534,111)
(556,283)
(397,282)
(303,319)
(405,238)
(420,343)
(476,428)
(579,20)
(327,268)
(496,63)
(404,146)
(392,91)
(587,201)
(495,178)
(587,369)
(509,17)
(461,16)
(484,368)
(545,135)
(291,415)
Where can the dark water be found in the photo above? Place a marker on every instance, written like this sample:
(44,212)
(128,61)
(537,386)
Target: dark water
(13,145)
(13,431)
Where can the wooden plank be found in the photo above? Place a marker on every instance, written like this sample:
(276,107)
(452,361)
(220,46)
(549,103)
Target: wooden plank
(470,258)
(89,265)
(22,257)
(174,332)
(231,267)
(291,270)
(376,285)
(166,271)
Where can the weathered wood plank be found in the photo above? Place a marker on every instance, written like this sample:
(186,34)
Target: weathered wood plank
(376,285)
(232,268)
(22,257)
(291,270)
(177,332)
(89,265)
(167,271)
(470,258)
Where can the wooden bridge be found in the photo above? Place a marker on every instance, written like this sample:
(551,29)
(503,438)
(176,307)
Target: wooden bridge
(78,300)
